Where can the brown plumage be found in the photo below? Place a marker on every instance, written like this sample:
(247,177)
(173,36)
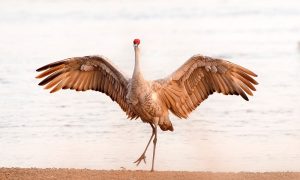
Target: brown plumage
(181,92)
(201,76)
(87,73)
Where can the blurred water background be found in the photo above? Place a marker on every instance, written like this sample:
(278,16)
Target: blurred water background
(87,130)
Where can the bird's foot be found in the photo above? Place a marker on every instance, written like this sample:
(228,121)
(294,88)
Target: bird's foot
(142,158)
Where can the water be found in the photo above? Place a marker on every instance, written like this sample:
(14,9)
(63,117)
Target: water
(87,130)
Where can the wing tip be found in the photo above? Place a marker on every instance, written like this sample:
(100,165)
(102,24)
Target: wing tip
(251,73)
(244,96)
(55,89)
(43,68)
(51,65)
(41,83)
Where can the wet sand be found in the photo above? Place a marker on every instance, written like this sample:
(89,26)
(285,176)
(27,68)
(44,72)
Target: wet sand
(52,173)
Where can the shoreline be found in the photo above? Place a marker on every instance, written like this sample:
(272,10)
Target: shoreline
(63,173)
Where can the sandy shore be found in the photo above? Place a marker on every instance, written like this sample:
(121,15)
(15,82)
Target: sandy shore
(35,173)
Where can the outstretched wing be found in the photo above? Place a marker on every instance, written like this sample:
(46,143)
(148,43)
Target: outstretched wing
(199,77)
(87,73)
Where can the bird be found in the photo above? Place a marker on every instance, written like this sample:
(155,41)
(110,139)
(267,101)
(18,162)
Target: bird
(151,101)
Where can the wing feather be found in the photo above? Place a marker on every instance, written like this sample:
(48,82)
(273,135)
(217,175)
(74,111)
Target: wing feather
(199,77)
(87,73)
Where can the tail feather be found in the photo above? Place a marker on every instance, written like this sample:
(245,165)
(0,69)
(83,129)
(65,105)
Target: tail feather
(165,124)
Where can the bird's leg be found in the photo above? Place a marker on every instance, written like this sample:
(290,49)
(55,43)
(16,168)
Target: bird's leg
(143,157)
(154,147)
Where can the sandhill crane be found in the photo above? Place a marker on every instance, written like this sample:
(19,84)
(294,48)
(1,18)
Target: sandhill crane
(151,101)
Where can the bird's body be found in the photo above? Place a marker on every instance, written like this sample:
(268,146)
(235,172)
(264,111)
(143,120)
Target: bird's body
(151,101)
(143,99)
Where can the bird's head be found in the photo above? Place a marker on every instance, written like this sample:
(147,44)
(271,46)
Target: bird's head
(136,42)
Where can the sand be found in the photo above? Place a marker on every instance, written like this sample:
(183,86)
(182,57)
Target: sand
(52,173)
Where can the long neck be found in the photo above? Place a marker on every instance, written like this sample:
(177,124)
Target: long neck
(137,69)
